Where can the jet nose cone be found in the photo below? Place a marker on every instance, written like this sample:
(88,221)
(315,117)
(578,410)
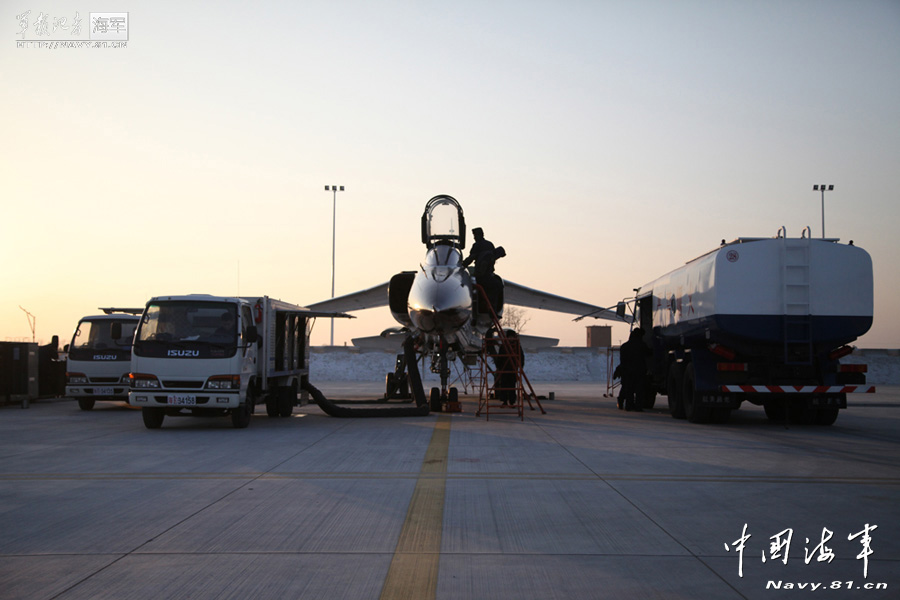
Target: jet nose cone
(441,321)
(439,306)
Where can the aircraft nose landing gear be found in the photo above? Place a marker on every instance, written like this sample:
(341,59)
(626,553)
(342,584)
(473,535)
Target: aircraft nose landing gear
(445,398)
(447,401)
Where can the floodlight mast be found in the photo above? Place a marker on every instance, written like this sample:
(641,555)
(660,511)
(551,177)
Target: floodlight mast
(334,189)
(821,187)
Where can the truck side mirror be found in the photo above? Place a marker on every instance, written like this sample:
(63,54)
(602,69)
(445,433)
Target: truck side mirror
(620,310)
(252,336)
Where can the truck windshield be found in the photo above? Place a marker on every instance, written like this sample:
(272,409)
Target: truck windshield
(208,327)
(95,337)
(189,322)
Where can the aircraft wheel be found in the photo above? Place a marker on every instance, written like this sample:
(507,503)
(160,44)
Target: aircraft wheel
(85,403)
(692,409)
(436,399)
(453,395)
(673,391)
(390,386)
(153,416)
(403,387)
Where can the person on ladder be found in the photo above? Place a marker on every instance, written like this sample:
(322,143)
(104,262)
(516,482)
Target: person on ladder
(506,368)
(485,255)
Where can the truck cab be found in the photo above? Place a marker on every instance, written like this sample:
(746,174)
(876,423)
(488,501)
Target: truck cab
(99,357)
(195,355)
(203,355)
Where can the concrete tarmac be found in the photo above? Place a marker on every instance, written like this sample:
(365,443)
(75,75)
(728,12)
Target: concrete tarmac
(585,501)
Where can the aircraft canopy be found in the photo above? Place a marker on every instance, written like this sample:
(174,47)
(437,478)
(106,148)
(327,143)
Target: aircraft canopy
(443,223)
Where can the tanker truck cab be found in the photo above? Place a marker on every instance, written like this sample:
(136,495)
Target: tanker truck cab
(195,355)
(99,357)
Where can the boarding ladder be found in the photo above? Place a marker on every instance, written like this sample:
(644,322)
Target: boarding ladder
(798,349)
(486,402)
(468,373)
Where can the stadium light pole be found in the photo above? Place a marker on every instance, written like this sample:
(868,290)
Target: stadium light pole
(822,187)
(334,189)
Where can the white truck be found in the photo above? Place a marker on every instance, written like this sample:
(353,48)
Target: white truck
(205,355)
(98,362)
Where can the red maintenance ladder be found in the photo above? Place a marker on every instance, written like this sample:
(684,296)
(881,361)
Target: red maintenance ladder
(488,400)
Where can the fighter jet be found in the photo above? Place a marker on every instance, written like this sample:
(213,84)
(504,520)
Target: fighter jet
(442,308)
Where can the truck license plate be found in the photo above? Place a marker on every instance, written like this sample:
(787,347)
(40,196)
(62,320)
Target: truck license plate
(182,399)
(103,391)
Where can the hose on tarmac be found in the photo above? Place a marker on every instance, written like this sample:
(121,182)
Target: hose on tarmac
(334,409)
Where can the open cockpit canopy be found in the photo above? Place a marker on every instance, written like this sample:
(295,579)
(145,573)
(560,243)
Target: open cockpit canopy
(443,223)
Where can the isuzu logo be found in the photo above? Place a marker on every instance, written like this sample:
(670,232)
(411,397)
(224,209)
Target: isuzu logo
(105,357)
(183,353)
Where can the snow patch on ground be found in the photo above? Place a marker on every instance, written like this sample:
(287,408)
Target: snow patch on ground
(553,364)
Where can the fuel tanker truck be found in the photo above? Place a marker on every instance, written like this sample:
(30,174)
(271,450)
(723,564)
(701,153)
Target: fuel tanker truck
(762,320)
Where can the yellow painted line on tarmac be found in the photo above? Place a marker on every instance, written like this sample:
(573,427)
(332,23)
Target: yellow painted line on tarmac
(414,568)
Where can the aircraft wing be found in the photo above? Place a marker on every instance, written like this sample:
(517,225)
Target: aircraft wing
(370,298)
(519,295)
(536,342)
(392,340)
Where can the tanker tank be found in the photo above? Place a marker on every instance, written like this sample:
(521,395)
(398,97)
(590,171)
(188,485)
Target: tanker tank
(764,320)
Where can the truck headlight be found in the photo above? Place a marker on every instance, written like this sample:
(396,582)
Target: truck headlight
(224,382)
(143,381)
(76,378)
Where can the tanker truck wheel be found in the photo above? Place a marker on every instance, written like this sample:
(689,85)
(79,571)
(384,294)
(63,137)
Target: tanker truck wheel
(776,408)
(691,400)
(720,415)
(673,391)
(800,414)
(826,416)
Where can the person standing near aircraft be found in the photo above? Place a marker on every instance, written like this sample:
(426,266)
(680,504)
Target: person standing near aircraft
(508,360)
(633,370)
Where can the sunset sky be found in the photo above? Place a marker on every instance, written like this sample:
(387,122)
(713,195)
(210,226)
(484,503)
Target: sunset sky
(601,143)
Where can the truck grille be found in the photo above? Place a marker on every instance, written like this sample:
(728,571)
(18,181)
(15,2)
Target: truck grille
(188,385)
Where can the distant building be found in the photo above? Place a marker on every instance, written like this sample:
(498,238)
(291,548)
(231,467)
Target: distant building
(599,336)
